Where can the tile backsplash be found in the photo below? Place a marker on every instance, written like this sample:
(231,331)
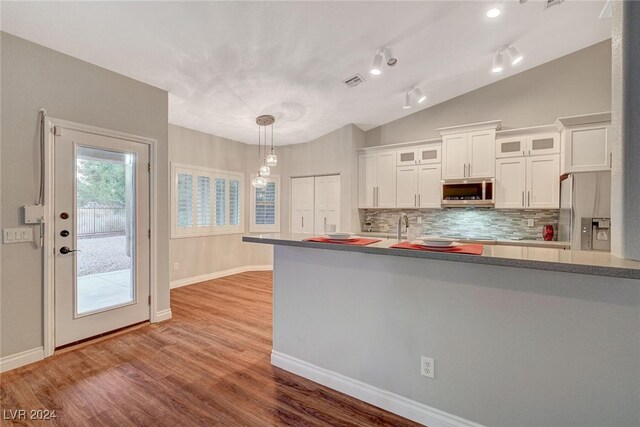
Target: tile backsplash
(501,224)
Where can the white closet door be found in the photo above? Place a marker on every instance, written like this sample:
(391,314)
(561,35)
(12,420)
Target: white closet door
(320,198)
(302,205)
(332,186)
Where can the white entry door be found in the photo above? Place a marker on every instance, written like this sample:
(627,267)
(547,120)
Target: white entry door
(101,234)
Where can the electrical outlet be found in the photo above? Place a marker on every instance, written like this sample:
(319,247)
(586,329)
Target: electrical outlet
(419,220)
(531,222)
(427,367)
(176,266)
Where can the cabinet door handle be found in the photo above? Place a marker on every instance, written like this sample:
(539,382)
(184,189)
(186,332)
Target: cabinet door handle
(374,196)
(469,170)
(419,201)
(529,198)
(303,221)
(415,200)
(465,170)
(523,198)
(611,160)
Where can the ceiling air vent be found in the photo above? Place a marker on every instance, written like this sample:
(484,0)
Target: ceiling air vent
(550,3)
(354,80)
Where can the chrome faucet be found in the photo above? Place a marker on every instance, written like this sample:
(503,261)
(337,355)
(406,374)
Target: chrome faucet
(405,218)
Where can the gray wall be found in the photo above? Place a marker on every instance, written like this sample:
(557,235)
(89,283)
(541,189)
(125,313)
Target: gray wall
(333,153)
(512,347)
(33,77)
(210,254)
(575,84)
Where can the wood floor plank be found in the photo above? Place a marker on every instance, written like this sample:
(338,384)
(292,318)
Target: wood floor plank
(209,365)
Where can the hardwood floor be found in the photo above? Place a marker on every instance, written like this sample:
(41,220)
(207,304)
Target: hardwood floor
(208,365)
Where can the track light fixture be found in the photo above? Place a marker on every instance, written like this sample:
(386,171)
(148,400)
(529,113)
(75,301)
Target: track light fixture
(498,62)
(420,97)
(376,66)
(407,100)
(515,57)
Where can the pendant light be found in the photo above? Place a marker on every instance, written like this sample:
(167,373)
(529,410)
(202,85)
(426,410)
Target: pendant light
(263,170)
(272,159)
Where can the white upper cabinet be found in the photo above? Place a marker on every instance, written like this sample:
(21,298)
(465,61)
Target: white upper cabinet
(544,143)
(407,187)
(528,182)
(469,151)
(543,182)
(377,180)
(426,154)
(386,180)
(482,154)
(419,186)
(454,156)
(430,186)
(527,145)
(585,142)
(587,148)
(511,183)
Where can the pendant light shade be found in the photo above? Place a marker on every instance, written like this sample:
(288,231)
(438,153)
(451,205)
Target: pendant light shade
(272,159)
(264,171)
(259,182)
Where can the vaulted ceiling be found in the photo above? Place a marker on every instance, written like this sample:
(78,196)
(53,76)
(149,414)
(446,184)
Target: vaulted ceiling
(224,63)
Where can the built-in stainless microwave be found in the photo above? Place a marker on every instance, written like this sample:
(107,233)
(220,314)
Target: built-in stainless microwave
(468,192)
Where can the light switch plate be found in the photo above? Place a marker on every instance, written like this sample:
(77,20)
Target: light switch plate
(17,235)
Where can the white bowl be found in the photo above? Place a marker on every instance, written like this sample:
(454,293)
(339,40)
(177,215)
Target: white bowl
(340,235)
(436,241)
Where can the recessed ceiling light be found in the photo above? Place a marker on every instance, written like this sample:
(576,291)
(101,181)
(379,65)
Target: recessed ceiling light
(376,67)
(419,95)
(515,56)
(494,12)
(498,62)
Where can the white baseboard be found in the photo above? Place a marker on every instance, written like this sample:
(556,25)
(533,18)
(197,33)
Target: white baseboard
(163,315)
(17,360)
(386,400)
(218,274)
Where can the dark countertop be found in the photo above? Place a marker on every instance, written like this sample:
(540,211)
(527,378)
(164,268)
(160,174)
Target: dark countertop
(550,259)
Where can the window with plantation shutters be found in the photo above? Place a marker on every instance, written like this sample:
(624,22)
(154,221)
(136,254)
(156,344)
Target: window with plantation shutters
(206,201)
(265,206)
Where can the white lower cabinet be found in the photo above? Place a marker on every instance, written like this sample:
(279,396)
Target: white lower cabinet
(531,182)
(302,201)
(419,186)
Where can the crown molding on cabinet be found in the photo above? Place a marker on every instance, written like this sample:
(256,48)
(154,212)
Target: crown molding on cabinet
(399,145)
(584,119)
(533,130)
(490,125)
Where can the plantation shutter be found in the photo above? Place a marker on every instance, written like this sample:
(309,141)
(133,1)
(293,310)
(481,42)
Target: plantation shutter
(185,200)
(204,201)
(234,202)
(221,202)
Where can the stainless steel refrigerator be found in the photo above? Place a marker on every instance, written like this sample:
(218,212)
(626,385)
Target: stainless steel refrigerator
(584,195)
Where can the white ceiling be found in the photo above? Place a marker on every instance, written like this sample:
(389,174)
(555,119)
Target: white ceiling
(224,63)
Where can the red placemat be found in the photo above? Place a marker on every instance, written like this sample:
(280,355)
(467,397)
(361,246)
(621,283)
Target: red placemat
(464,249)
(360,241)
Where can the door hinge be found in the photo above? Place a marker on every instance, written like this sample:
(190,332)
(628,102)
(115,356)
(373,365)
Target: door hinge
(149,167)
(149,233)
(57,131)
(149,299)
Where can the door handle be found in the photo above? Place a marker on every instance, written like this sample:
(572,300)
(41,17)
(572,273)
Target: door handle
(469,170)
(65,250)
(415,200)
(302,221)
(465,170)
(419,202)
(523,198)
(611,160)
(529,198)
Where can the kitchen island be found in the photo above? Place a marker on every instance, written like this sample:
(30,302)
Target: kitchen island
(554,334)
